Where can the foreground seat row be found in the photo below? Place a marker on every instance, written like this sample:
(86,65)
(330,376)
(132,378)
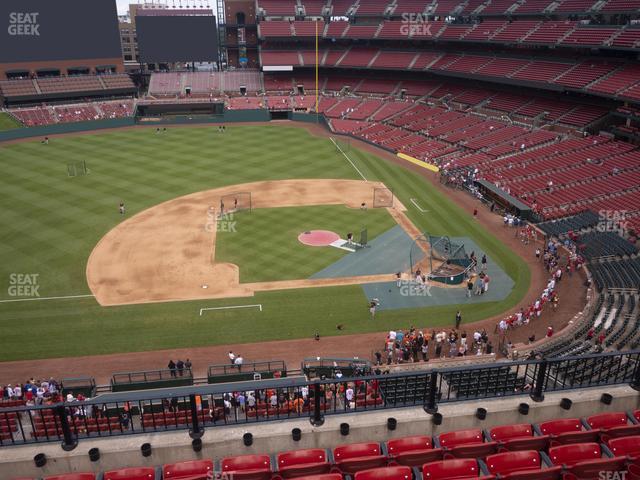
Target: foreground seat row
(565,449)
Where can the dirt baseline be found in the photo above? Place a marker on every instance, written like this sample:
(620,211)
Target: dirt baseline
(167,252)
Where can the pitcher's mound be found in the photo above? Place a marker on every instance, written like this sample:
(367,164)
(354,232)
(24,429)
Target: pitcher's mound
(318,238)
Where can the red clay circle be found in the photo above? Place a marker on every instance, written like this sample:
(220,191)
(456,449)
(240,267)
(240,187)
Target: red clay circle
(318,238)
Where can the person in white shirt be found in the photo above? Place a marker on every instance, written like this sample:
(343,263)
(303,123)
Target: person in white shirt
(17,392)
(238,360)
(232,357)
(348,394)
(10,392)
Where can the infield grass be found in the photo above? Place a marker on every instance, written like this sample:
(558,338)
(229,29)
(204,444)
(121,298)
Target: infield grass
(49,223)
(276,229)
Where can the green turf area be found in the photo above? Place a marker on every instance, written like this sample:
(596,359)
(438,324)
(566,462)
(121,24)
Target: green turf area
(283,256)
(7,122)
(49,223)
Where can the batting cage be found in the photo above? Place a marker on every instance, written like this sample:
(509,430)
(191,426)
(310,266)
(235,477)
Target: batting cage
(77,169)
(447,261)
(382,197)
(235,202)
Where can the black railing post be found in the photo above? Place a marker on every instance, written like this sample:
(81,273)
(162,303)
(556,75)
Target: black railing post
(635,381)
(69,442)
(317,419)
(430,405)
(196,431)
(537,392)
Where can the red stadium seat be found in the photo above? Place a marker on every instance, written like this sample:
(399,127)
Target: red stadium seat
(189,470)
(324,476)
(518,437)
(569,455)
(510,462)
(355,457)
(453,469)
(298,463)
(136,473)
(567,430)
(613,425)
(247,467)
(625,446)
(385,473)
(412,451)
(466,444)
(72,476)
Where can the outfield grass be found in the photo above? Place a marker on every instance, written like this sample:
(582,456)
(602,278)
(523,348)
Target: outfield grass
(49,223)
(7,122)
(264,243)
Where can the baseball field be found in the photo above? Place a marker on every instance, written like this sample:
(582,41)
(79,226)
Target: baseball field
(51,222)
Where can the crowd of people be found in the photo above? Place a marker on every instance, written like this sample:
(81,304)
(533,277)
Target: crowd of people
(33,392)
(417,346)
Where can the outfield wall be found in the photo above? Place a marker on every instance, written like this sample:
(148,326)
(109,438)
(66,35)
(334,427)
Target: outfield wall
(274,437)
(60,128)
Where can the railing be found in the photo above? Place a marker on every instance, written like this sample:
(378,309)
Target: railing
(198,407)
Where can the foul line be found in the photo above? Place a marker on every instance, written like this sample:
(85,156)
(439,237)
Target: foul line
(348,159)
(422,210)
(258,305)
(33,299)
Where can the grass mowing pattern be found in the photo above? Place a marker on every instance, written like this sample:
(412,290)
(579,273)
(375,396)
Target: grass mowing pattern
(49,223)
(265,244)
(7,122)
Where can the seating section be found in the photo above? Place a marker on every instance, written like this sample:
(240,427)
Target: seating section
(550,450)
(72,85)
(36,116)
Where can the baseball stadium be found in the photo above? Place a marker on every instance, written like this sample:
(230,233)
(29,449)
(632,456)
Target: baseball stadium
(320,239)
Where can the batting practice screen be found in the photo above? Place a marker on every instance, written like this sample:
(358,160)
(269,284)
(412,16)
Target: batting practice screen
(44,30)
(177,38)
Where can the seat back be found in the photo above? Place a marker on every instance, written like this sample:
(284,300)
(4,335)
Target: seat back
(569,455)
(460,437)
(385,473)
(508,432)
(607,420)
(136,473)
(508,462)
(629,446)
(598,468)
(246,462)
(356,450)
(451,469)
(553,473)
(408,444)
(564,425)
(301,457)
(72,476)
(323,476)
(187,469)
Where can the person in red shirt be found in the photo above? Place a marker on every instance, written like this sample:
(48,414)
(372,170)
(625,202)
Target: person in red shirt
(549,331)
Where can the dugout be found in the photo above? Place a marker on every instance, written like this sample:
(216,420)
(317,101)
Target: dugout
(504,200)
(319,367)
(78,385)
(246,372)
(126,381)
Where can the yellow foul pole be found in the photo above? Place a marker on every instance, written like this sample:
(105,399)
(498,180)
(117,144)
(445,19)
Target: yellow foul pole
(316,22)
